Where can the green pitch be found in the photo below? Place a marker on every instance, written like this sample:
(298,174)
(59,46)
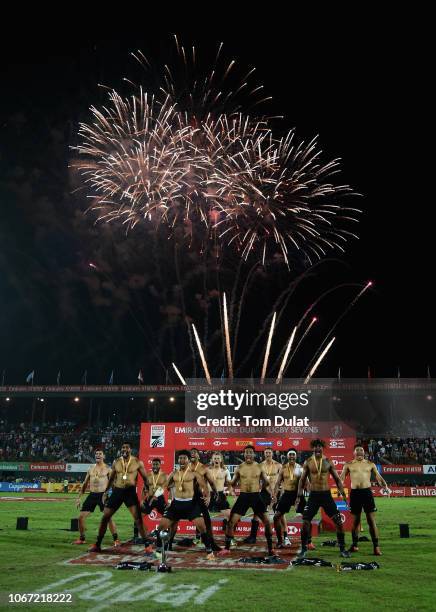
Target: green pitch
(32,560)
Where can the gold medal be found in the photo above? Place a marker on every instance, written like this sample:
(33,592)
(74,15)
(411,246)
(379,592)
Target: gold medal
(125,467)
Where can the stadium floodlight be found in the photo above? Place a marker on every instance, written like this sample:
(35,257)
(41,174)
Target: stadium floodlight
(8,399)
(151,399)
(172,399)
(77,399)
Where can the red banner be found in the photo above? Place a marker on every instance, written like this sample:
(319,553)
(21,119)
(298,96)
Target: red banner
(405,491)
(47,467)
(401,469)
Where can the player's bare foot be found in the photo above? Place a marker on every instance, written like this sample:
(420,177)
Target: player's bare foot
(95,549)
(224,553)
(311,546)
(79,541)
(377,551)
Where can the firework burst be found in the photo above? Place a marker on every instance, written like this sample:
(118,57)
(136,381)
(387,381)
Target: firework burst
(189,157)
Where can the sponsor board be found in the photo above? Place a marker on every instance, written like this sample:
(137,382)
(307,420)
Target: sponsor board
(42,466)
(78,467)
(263,443)
(401,469)
(404,491)
(429,469)
(19,486)
(14,467)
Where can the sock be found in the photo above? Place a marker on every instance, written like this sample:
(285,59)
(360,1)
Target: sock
(270,544)
(254,528)
(341,540)
(228,541)
(224,525)
(99,540)
(375,542)
(207,541)
(355,536)
(115,536)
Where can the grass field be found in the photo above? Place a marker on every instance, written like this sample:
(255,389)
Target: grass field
(33,559)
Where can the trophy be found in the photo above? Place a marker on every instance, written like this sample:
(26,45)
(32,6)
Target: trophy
(163,567)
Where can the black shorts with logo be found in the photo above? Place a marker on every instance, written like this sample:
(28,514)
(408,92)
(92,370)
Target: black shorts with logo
(249,500)
(218,502)
(287,501)
(317,500)
(92,501)
(178,510)
(362,499)
(121,496)
(158,504)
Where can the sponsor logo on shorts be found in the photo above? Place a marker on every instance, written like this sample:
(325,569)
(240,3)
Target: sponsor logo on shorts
(157,436)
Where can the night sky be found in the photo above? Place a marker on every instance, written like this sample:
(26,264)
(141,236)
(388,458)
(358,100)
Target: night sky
(360,85)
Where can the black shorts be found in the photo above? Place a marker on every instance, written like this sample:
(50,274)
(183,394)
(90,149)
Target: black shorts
(287,501)
(249,500)
(362,499)
(120,496)
(317,500)
(158,504)
(219,502)
(265,497)
(178,510)
(92,501)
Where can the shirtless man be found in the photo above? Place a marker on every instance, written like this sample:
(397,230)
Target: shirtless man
(197,467)
(361,497)
(251,477)
(318,468)
(97,478)
(122,479)
(154,485)
(272,469)
(221,478)
(184,504)
(288,479)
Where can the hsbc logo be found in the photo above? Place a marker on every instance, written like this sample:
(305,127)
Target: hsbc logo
(220,443)
(293,530)
(336,444)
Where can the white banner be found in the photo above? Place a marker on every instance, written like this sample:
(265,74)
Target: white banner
(429,469)
(78,467)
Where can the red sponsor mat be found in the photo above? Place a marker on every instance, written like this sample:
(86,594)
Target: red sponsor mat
(189,558)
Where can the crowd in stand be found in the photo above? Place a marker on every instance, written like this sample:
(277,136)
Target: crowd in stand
(63,441)
(403,451)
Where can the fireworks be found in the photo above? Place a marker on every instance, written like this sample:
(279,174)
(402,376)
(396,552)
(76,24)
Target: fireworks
(192,156)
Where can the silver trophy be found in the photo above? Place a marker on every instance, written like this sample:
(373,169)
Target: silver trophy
(163,567)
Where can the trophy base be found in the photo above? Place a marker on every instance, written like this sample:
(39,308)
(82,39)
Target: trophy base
(163,567)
